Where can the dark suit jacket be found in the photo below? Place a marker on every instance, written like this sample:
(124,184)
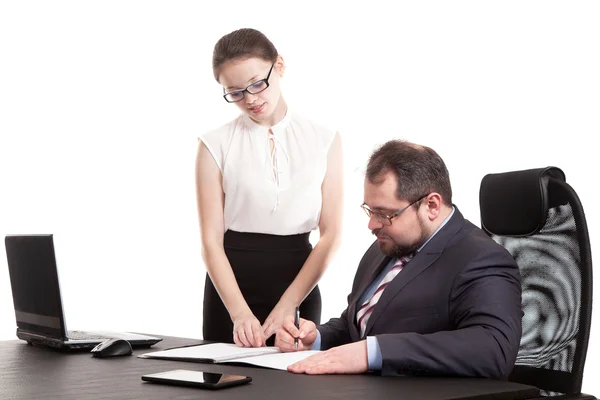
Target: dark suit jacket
(455,309)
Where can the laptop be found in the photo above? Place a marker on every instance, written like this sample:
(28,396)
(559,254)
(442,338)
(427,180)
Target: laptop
(38,304)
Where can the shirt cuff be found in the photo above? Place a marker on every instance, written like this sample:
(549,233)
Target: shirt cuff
(317,343)
(374,357)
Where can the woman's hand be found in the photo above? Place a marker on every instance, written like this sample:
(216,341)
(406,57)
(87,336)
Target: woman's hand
(276,318)
(247,331)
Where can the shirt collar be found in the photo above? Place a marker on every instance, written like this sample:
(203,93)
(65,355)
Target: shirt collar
(438,229)
(277,128)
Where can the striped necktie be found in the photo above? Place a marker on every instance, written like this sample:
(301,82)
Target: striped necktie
(366,309)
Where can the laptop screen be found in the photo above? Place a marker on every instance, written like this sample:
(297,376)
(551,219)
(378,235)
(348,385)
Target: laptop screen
(34,282)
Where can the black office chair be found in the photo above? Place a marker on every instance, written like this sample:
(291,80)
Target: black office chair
(538,217)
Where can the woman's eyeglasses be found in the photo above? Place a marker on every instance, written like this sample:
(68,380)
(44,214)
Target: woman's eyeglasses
(253,88)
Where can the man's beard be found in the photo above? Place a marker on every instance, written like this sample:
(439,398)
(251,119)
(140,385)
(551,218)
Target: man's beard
(396,250)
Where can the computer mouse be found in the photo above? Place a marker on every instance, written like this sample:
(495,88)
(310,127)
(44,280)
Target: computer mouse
(112,348)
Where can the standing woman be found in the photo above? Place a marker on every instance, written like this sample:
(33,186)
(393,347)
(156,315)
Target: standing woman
(264,181)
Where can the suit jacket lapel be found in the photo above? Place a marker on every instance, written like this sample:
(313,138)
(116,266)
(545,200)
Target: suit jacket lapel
(420,262)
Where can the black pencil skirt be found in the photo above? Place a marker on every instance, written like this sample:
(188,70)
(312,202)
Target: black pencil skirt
(264,267)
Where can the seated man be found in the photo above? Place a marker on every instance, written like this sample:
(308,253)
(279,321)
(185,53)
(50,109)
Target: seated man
(434,295)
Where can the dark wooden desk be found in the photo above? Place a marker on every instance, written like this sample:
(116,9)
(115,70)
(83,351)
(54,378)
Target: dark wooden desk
(28,372)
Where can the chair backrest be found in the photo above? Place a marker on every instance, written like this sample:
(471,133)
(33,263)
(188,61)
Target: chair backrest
(538,217)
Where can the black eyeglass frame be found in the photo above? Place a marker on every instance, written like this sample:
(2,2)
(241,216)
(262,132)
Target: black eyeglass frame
(265,81)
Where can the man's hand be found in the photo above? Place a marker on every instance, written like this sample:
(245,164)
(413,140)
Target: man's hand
(306,334)
(346,359)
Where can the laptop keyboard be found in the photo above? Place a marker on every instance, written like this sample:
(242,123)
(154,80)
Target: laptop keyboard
(81,335)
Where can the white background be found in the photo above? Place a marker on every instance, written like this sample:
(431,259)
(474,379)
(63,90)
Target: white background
(101,104)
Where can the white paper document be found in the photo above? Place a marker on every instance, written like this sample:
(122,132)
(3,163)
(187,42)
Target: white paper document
(279,360)
(267,357)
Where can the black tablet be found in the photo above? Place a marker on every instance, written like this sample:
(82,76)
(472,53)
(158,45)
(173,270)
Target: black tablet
(198,379)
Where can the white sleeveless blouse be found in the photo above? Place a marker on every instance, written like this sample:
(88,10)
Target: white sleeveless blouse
(275,192)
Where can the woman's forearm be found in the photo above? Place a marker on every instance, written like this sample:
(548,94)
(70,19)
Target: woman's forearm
(223,279)
(311,271)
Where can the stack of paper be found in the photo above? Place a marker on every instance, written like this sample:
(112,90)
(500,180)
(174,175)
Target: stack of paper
(268,357)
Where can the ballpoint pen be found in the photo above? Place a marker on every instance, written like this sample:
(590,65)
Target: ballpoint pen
(297,323)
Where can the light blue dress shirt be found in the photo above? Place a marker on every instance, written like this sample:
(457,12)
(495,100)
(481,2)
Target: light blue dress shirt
(375,358)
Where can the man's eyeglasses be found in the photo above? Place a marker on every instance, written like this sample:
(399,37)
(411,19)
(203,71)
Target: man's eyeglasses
(253,88)
(387,219)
